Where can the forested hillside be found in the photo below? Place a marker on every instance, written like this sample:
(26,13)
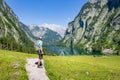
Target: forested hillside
(12,37)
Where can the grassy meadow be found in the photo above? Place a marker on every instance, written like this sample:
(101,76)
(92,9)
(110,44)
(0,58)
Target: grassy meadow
(83,67)
(12,67)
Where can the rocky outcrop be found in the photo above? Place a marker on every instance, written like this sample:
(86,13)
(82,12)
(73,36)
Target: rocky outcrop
(93,29)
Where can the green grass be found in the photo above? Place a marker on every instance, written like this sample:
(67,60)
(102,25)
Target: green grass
(12,65)
(83,67)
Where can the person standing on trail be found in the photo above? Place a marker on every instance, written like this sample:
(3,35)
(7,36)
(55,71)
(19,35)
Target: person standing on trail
(39,49)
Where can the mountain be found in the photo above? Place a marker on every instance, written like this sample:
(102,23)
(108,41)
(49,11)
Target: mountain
(96,28)
(49,36)
(28,32)
(12,36)
(56,28)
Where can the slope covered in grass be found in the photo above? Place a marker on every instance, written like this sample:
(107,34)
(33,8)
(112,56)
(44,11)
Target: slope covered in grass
(12,65)
(83,68)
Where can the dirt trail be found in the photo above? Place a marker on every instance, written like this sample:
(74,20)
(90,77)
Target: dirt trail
(35,73)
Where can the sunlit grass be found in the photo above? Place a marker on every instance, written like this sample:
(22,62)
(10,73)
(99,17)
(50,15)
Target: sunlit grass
(83,67)
(12,65)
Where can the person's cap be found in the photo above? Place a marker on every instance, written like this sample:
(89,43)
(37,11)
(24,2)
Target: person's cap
(40,37)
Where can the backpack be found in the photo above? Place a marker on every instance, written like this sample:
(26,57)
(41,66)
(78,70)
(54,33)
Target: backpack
(36,46)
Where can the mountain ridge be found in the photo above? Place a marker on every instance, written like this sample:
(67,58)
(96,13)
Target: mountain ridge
(56,28)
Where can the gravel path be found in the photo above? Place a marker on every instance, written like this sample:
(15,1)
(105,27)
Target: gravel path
(35,73)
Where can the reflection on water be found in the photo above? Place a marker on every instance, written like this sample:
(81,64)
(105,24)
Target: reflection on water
(63,51)
(67,51)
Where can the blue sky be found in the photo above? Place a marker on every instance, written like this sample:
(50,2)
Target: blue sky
(58,12)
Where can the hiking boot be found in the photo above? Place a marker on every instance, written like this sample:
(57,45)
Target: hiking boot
(38,65)
(41,64)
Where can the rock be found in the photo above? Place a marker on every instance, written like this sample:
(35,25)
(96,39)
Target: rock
(107,51)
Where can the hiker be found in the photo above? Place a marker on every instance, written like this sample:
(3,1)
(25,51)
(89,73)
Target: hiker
(39,49)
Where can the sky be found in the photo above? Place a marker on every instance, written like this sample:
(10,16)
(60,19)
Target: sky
(59,12)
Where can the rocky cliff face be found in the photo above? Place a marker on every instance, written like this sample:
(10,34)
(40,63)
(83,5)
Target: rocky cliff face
(96,27)
(11,33)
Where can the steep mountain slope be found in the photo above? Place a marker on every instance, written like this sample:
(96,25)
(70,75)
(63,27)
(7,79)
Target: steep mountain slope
(49,36)
(96,27)
(12,36)
(28,32)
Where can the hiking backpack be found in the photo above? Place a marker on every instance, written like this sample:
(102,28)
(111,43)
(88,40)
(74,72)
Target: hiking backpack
(36,46)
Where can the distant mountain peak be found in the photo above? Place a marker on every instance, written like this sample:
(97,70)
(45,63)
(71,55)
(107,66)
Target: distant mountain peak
(57,28)
(103,2)
(93,1)
(49,36)
(32,26)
